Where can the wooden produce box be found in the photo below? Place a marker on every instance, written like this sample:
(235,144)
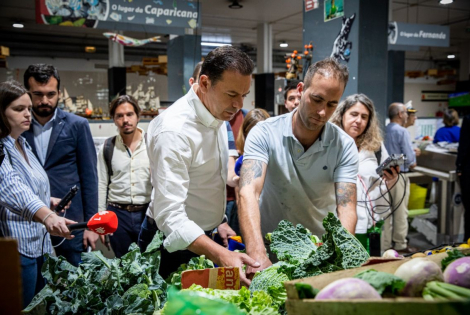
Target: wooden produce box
(397,306)
(10,278)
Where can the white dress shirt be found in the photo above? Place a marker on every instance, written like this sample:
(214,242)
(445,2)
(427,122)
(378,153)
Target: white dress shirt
(130,183)
(188,152)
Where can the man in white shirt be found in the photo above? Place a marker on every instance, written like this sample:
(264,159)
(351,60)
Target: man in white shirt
(124,174)
(304,166)
(188,152)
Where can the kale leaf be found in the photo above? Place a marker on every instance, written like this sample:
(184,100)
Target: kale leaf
(383,282)
(103,286)
(291,244)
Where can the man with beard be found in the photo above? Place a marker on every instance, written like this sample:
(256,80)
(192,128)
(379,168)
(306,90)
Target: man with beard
(299,166)
(124,174)
(63,144)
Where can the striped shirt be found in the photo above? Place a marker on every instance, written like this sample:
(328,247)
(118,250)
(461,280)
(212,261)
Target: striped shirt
(24,189)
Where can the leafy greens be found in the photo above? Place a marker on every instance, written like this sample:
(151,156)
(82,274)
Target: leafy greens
(103,286)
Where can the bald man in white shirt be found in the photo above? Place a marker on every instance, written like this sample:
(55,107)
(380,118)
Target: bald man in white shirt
(188,152)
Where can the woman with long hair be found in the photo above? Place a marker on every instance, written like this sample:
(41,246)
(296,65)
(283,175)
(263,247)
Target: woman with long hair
(357,117)
(25,193)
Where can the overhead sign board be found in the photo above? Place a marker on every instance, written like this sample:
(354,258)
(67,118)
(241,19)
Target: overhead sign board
(418,34)
(88,13)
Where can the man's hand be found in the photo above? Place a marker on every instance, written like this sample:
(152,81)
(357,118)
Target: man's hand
(89,239)
(264,261)
(224,232)
(417,151)
(233,259)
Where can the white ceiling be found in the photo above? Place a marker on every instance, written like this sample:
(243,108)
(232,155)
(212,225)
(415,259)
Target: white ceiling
(219,22)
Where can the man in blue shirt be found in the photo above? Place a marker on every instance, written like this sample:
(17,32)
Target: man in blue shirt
(397,141)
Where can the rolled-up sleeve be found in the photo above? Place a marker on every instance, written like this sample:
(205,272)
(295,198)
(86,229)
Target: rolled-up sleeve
(15,195)
(170,157)
(346,171)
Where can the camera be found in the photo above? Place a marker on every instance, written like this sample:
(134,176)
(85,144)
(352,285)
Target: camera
(392,160)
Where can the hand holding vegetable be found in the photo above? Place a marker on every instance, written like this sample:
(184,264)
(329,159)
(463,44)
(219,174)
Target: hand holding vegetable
(234,259)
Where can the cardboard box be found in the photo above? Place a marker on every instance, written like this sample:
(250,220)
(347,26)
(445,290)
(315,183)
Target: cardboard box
(10,277)
(223,278)
(398,306)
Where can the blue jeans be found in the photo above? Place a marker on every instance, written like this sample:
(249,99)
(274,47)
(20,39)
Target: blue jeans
(32,280)
(72,249)
(128,230)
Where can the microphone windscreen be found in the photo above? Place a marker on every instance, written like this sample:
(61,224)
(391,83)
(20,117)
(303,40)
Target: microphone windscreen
(104,222)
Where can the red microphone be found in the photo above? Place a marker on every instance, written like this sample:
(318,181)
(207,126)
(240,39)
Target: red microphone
(102,223)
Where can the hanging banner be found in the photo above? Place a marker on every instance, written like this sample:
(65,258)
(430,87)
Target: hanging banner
(418,34)
(88,13)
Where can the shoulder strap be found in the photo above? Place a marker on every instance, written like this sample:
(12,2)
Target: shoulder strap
(378,155)
(108,151)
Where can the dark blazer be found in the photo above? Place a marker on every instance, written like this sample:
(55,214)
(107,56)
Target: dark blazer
(463,156)
(71,160)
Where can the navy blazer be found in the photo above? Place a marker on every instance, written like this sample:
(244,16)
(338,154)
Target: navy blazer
(71,160)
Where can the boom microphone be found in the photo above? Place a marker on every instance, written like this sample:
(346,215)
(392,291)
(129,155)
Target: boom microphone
(102,223)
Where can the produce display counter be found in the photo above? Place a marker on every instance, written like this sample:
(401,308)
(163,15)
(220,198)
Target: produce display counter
(386,306)
(435,163)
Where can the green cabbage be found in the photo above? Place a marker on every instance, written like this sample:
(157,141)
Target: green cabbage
(271,281)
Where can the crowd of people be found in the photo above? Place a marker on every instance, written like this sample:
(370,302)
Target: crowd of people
(180,177)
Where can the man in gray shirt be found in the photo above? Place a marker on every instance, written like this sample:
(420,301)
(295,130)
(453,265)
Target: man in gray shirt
(299,166)
(397,141)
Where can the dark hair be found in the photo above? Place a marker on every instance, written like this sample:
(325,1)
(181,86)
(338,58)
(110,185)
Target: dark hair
(122,100)
(10,91)
(226,58)
(371,138)
(327,67)
(197,71)
(451,117)
(253,117)
(292,85)
(42,73)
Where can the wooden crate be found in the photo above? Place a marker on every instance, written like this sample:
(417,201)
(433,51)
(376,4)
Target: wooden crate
(398,306)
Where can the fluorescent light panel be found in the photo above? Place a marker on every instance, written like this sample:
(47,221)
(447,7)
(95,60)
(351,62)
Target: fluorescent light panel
(450,56)
(446,1)
(284,45)
(18,25)
(215,44)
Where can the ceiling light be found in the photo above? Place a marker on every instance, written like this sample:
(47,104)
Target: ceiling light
(235,5)
(450,56)
(446,1)
(18,25)
(90,49)
(215,44)
(283,44)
